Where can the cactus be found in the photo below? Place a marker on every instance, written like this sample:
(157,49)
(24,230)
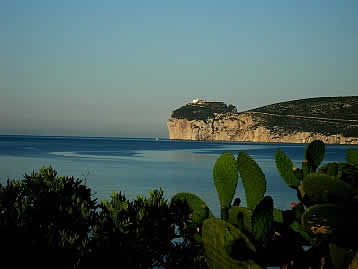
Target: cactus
(321,188)
(225,178)
(352,156)
(330,169)
(253,179)
(221,240)
(348,173)
(354,263)
(299,229)
(241,217)
(333,222)
(277,215)
(285,167)
(345,171)
(314,154)
(340,257)
(261,219)
(199,215)
(194,201)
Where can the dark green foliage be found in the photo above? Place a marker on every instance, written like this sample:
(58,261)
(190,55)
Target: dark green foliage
(348,173)
(222,241)
(202,111)
(306,169)
(314,154)
(330,169)
(321,188)
(277,215)
(139,233)
(352,156)
(194,202)
(354,263)
(298,210)
(253,179)
(199,215)
(297,227)
(261,220)
(241,217)
(46,218)
(334,110)
(330,221)
(285,167)
(225,178)
(344,171)
(340,257)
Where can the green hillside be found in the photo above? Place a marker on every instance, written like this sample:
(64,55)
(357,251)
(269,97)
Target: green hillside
(202,111)
(325,115)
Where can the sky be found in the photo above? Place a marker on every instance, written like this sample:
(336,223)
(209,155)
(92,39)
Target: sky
(119,68)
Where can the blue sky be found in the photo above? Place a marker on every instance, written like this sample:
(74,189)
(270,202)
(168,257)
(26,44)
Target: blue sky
(118,68)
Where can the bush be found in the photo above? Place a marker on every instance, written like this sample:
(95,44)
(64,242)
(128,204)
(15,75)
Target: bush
(45,220)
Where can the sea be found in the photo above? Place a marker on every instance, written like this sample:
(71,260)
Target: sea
(135,166)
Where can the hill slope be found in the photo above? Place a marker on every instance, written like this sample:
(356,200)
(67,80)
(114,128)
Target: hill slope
(331,119)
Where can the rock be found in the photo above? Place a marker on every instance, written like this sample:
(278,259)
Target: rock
(333,120)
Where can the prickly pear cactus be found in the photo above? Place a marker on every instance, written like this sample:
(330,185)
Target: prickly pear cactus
(222,242)
(340,257)
(321,188)
(253,179)
(199,209)
(194,201)
(330,221)
(285,167)
(314,154)
(330,169)
(199,215)
(354,263)
(225,178)
(261,219)
(241,217)
(352,156)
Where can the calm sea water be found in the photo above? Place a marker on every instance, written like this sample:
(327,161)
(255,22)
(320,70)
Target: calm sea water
(135,166)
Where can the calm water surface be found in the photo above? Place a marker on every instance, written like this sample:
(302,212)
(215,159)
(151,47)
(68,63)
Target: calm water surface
(135,166)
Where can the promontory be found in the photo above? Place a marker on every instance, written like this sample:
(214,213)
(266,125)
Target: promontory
(334,120)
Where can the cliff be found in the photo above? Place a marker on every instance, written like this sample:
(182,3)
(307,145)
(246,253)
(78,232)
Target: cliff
(334,120)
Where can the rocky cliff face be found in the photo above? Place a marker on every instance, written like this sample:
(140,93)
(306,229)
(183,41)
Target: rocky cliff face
(261,126)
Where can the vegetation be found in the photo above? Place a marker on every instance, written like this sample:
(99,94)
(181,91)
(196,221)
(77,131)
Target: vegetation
(323,115)
(318,232)
(202,111)
(48,221)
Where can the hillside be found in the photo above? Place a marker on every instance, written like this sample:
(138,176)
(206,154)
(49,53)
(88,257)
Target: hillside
(325,115)
(331,119)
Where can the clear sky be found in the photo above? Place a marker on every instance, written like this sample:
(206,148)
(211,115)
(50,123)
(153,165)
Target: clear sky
(118,68)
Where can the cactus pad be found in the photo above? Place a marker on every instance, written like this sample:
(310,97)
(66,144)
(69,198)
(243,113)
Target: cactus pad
(253,179)
(352,156)
(277,215)
(241,217)
(321,188)
(261,219)
(325,219)
(314,153)
(285,167)
(330,169)
(199,215)
(299,229)
(195,203)
(221,241)
(225,178)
